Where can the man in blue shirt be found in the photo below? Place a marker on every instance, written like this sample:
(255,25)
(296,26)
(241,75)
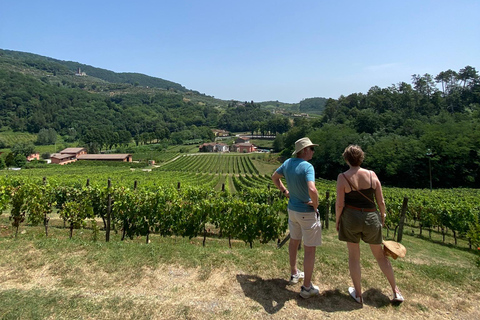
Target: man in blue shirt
(303,221)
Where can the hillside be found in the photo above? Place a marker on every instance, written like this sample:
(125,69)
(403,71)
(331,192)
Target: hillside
(309,106)
(415,135)
(59,67)
(102,109)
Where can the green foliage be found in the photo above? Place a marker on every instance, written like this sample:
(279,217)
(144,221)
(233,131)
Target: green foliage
(18,211)
(23,149)
(313,105)
(244,117)
(51,97)
(10,159)
(177,199)
(396,126)
(46,136)
(20,160)
(40,203)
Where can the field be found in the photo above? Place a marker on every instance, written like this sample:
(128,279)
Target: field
(181,275)
(9,138)
(177,278)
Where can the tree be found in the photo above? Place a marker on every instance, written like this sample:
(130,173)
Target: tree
(448,79)
(20,160)
(468,75)
(10,160)
(46,136)
(332,140)
(94,139)
(278,143)
(424,85)
(124,137)
(71,135)
(24,149)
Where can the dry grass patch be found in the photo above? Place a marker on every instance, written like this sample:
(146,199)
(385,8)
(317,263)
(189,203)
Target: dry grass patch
(174,278)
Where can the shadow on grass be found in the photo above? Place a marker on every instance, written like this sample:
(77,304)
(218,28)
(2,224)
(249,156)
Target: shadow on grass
(375,298)
(448,245)
(272,294)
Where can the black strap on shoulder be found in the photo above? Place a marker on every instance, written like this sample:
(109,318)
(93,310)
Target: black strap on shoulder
(353,188)
(351,185)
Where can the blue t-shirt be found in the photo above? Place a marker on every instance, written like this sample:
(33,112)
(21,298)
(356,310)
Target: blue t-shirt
(298,172)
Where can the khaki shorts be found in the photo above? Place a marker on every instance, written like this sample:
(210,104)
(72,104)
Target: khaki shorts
(306,226)
(356,224)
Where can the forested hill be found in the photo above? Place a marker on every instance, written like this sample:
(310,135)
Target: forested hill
(407,131)
(309,105)
(60,67)
(39,94)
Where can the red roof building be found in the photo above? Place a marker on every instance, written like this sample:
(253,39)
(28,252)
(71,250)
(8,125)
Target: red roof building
(70,155)
(125,157)
(245,147)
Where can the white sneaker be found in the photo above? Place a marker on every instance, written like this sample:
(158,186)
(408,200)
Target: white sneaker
(353,294)
(313,291)
(295,277)
(397,296)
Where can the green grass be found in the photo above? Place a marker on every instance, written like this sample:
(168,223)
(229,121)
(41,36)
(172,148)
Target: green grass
(59,278)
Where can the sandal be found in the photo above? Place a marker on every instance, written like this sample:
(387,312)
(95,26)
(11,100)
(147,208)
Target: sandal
(397,296)
(353,294)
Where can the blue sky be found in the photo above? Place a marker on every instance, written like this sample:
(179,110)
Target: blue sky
(253,50)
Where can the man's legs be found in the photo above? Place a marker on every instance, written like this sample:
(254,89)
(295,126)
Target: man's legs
(308,264)
(292,252)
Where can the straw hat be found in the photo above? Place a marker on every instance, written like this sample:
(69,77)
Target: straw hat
(394,249)
(301,144)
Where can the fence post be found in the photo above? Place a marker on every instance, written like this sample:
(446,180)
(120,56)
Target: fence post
(327,210)
(223,187)
(88,182)
(402,219)
(135,185)
(109,209)
(45,215)
(178,185)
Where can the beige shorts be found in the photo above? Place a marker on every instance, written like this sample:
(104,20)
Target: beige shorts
(306,226)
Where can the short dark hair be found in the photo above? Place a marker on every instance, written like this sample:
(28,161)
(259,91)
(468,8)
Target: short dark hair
(354,155)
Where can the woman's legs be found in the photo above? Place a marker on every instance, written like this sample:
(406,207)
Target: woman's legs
(354,266)
(384,264)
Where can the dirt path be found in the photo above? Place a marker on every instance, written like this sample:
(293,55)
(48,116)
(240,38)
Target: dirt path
(173,292)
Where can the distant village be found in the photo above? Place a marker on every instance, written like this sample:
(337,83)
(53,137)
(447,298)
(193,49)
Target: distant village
(70,155)
(241,144)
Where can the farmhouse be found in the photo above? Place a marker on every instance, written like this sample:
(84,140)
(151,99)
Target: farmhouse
(62,159)
(242,140)
(69,155)
(213,147)
(107,157)
(220,133)
(75,151)
(243,148)
(33,156)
